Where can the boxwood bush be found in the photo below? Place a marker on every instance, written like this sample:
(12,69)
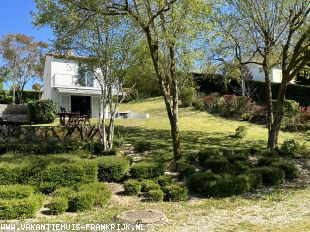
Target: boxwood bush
(42,111)
(132,187)
(58,205)
(165,180)
(16,191)
(228,185)
(175,192)
(217,165)
(65,174)
(20,208)
(101,191)
(203,155)
(112,168)
(146,170)
(202,182)
(14,173)
(270,175)
(290,170)
(154,195)
(184,169)
(148,185)
(255,179)
(81,201)
(65,192)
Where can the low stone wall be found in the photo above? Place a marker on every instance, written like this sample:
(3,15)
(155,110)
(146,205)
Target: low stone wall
(14,113)
(23,133)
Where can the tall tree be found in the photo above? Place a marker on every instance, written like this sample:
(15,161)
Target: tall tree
(266,24)
(165,24)
(21,61)
(295,55)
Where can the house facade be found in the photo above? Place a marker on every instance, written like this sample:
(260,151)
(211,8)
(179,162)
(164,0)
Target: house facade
(257,73)
(63,85)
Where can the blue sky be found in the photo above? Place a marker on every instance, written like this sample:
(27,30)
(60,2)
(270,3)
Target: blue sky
(15,18)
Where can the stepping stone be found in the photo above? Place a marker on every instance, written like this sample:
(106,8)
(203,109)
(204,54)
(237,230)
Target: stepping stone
(148,216)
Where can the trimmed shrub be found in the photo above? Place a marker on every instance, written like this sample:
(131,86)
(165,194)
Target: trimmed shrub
(65,192)
(217,165)
(266,161)
(20,208)
(58,205)
(101,192)
(148,185)
(290,147)
(271,175)
(202,183)
(146,170)
(154,195)
(239,167)
(165,180)
(142,146)
(132,187)
(184,169)
(81,201)
(237,157)
(255,180)
(187,96)
(15,191)
(290,170)
(42,111)
(203,155)
(175,192)
(66,174)
(228,185)
(14,173)
(112,168)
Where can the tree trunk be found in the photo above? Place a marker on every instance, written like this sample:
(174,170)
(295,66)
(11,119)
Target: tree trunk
(269,101)
(279,113)
(169,91)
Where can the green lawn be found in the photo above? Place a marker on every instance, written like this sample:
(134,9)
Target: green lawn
(284,210)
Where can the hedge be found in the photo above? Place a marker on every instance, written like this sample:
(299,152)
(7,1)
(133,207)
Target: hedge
(81,201)
(175,192)
(132,187)
(65,174)
(101,191)
(15,191)
(20,208)
(28,96)
(58,205)
(299,93)
(154,195)
(146,170)
(210,83)
(112,168)
(14,173)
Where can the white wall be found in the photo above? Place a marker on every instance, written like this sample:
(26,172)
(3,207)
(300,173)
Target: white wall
(258,73)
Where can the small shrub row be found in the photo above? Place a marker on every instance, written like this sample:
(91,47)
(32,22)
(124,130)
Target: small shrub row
(65,174)
(15,191)
(146,170)
(82,198)
(112,168)
(20,208)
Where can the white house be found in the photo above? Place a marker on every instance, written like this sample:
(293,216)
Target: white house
(257,73)
(62,85)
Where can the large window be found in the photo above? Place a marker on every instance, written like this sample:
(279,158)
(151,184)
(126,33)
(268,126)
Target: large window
(87,80)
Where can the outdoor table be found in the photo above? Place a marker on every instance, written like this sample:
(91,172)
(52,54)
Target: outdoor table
(62,117)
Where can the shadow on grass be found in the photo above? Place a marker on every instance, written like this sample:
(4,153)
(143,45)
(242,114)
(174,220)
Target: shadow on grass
(191,141)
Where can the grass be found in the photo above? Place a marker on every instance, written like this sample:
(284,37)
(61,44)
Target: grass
(286,210)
